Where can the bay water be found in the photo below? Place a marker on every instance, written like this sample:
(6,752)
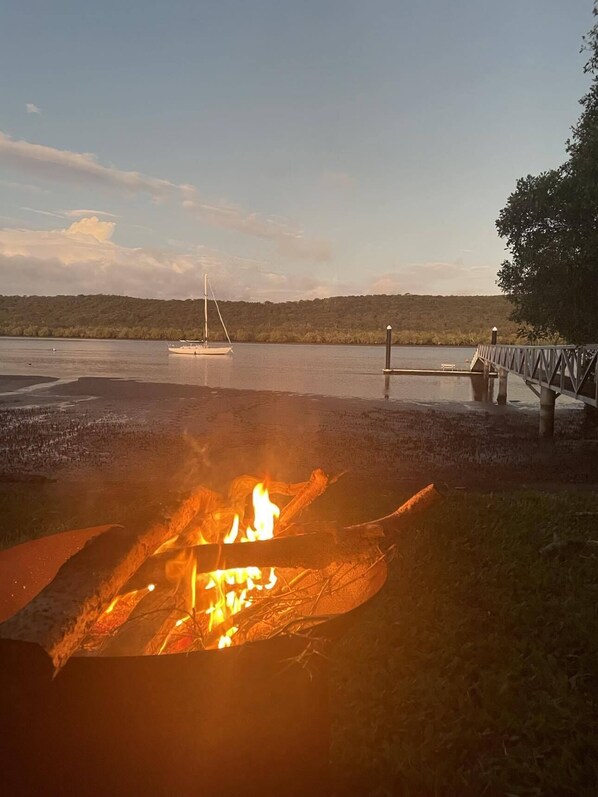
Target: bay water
(347,371)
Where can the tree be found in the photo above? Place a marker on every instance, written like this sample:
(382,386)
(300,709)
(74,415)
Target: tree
(550,224)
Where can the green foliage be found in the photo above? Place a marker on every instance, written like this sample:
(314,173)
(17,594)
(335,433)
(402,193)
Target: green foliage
(549,224)
(453,320)
(474,670)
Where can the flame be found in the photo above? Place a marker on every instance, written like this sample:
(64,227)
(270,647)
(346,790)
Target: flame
(117,611)
(225,592)
(234,590)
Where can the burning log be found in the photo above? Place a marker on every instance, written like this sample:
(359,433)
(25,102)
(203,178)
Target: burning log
(152,619)
(317,484)
(62,614)
(208,502)
(311,551)
(147,619)
(219,512)
(243,486)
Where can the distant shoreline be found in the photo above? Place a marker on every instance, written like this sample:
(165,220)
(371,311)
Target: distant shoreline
(345,320)
(251,342)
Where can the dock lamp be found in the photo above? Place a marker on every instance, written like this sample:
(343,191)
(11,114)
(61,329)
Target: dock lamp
(494,335)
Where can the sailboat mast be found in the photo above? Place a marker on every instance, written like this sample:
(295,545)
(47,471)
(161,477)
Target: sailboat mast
(205,308)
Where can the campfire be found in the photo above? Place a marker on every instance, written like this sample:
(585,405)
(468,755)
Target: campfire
(132,659)
(221,570)
(185,608)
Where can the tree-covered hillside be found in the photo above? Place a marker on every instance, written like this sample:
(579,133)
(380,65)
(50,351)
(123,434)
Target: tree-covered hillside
(342,319)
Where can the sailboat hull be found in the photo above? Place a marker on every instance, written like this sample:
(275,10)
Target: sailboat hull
(200,351)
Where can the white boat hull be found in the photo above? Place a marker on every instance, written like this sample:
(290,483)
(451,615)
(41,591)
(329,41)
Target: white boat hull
(200,351)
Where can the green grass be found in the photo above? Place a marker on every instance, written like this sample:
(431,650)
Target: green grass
(29,510)
(474,672)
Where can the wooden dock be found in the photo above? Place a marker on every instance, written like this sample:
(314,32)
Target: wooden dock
(549,371)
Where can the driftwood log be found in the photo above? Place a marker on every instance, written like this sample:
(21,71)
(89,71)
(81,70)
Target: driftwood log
(62,614)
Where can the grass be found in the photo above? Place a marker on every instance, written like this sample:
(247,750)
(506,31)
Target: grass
(474,672)
(29,510)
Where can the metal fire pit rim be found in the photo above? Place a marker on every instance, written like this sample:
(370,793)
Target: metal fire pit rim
(324,631)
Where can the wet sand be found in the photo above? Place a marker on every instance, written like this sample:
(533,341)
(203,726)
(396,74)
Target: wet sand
(17,382)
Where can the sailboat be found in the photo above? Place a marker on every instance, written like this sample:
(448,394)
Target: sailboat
(200,347)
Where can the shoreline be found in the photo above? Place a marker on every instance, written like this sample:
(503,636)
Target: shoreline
(97,428)
(255,342)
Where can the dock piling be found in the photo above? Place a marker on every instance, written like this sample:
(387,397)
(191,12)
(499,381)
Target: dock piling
(486,383)
(547,401)
(503,376)
(388,346)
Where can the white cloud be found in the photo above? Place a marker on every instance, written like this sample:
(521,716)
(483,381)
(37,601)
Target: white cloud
(436,278)
(84,167)
(31,108)
(92,227)
(66,165)
(82,259)
(42,212)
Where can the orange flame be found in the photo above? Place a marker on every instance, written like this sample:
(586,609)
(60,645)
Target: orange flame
(235,589)
(226,592)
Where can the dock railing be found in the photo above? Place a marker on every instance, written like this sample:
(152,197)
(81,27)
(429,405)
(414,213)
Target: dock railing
(567,370)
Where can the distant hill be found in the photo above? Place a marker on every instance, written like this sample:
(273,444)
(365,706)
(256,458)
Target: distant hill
(342,319)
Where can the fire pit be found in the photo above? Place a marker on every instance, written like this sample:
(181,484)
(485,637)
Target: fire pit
(146,704)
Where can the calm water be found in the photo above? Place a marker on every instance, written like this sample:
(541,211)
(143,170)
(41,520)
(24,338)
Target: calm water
(325,370)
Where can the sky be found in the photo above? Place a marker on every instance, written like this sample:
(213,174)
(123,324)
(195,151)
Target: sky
(291,150)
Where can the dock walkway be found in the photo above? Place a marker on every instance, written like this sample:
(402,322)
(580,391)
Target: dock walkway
(550,371)
(566,370)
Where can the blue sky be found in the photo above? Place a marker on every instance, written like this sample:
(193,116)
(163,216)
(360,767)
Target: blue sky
(290,149)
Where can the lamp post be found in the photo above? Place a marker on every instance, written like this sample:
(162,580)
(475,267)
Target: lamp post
(494,335)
